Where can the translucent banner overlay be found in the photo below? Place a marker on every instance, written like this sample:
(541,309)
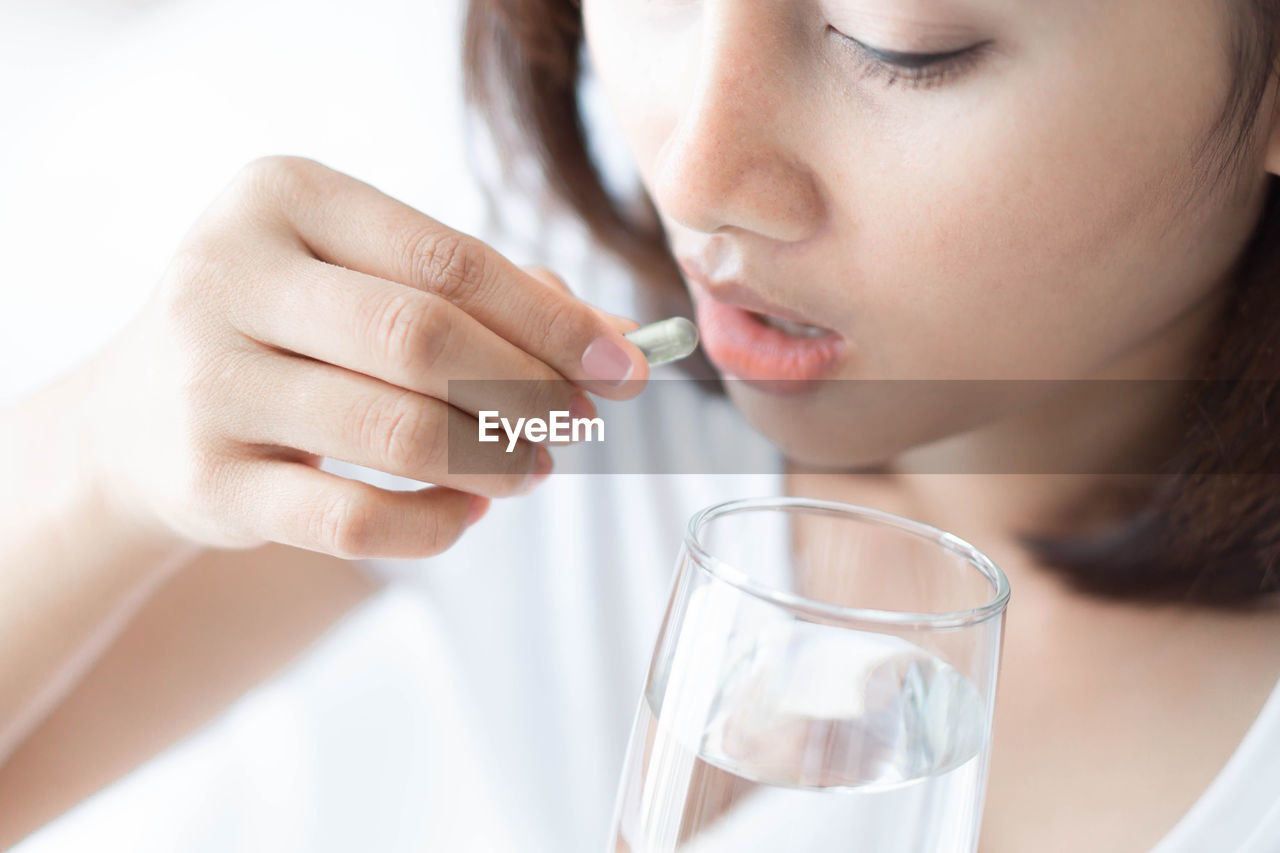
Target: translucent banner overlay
(688,426)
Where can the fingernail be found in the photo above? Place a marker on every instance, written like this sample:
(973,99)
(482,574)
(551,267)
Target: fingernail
(479,506)
(581,407)
(605,361)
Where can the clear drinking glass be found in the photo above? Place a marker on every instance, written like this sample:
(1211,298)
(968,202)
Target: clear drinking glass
(824,680)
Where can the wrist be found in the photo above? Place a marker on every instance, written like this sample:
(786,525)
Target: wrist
(101,476)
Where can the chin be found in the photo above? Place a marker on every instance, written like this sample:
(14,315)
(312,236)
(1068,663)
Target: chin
(818,432)
(860,424)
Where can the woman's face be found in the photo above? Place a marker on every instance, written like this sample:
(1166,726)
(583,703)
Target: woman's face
(1017,204)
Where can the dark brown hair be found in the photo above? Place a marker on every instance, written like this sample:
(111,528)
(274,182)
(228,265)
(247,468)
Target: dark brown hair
(1210,529)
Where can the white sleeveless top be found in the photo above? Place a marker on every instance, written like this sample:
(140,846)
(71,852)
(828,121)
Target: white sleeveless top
(481,701)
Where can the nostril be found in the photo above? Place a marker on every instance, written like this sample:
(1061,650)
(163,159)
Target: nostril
(715,187)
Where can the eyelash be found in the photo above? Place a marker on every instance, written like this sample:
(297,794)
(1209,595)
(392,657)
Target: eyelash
(917,70)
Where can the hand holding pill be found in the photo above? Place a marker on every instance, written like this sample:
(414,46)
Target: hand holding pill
(312,340)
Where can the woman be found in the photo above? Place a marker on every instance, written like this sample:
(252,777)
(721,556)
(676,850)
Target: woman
(1004,192)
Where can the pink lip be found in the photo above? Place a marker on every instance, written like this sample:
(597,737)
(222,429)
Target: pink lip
(743,347)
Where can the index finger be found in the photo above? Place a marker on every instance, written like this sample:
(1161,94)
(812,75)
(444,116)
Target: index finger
(349,223)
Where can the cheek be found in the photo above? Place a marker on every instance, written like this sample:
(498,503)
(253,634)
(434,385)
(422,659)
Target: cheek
(1067,257)
(1040,233)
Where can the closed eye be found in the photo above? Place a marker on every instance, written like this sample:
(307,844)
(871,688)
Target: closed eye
(914,60)
(918,69)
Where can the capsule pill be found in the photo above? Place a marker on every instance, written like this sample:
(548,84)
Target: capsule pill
(666,340)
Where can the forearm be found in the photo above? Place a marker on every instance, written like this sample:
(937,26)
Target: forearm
(74,566)
(224,623)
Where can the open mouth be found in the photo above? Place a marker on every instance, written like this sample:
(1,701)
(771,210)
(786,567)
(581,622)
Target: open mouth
(790,327)
(747,337)
(747,344)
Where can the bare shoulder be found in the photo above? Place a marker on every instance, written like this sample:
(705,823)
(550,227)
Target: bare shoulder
(225,623)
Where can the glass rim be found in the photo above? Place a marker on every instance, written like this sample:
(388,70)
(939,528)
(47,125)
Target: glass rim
(793,601)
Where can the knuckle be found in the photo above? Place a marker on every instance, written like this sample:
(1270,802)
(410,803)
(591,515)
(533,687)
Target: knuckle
(401,438)
(275,178)
(211,387)
(194,261)
(194,271)
(400,432)
(344,525)
(275,168)
(396,329)
(452,265)
(410,333)
(205,283)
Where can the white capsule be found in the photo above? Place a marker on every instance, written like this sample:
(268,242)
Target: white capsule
(666,340)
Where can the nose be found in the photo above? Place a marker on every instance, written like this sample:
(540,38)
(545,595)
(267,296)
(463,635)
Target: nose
(733,159)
